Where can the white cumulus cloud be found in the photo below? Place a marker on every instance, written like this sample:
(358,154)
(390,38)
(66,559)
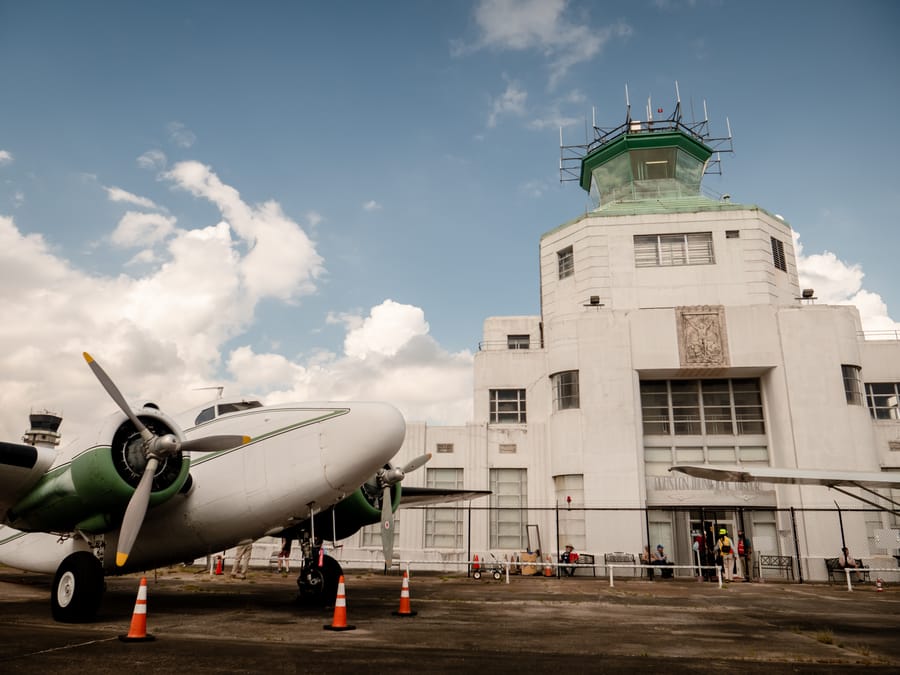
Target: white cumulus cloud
(545,26)
(6,157)
(839,283)
(116,194)
(388,328)
(388,355)
(180,135)
(152,159)
(163,332)
(140,229)
(510,102)
(282,261)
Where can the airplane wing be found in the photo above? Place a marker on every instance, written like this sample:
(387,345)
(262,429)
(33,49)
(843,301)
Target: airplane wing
(421,496)
(765,474)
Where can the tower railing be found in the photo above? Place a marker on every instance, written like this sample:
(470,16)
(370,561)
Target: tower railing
(879,335)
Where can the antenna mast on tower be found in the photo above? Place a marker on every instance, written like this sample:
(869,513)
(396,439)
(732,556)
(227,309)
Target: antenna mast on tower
(571,156)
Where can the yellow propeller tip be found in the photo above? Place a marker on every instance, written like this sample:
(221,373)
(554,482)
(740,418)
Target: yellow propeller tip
(121,558)
(246,440)
(88,357)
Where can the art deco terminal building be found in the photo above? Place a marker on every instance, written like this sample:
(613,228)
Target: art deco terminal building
(672,330)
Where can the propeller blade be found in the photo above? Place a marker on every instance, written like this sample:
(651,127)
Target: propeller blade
(134,514)
(416,463)
(213,443)
(116,396)
(387,526)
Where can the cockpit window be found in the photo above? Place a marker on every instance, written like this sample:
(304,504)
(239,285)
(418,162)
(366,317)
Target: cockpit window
(206,415)
(225,408)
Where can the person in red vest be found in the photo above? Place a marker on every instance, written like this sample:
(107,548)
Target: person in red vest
(569,558)
(745,553)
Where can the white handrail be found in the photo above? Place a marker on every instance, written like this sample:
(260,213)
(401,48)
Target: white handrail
(865,570)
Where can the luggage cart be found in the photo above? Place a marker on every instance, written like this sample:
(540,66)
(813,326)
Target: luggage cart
(492,567)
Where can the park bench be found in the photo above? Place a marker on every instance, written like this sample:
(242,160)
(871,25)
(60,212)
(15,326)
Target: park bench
(782,563)
(836,572)
(620,558)
(584,560)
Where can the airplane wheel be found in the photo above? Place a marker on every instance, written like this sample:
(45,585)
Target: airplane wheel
(77,588)
(319,584)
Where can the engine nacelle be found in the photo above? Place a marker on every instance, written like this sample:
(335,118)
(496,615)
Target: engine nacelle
(357,510)
(91,490)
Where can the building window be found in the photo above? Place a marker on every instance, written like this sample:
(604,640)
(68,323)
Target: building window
(444,447)
(570,500)
(566,262)
(883,400)
(702,407)
(370,535)
(507,406)
(509,504)
(778,254)
(658,460)
(518,341)
(852,384)
(732,234)
(668,250)
(565,390)
(444,525)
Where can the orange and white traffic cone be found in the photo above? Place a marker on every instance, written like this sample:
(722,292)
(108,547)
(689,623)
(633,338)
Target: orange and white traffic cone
(405,609)
(138,630)
(878,587)
(339,622)
(475,564)
(548,568)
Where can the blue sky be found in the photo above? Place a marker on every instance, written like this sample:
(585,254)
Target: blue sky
(328,199)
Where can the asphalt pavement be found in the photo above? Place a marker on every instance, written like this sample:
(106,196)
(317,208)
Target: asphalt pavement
(211,624)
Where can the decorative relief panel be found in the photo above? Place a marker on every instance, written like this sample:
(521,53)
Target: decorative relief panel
(702,338)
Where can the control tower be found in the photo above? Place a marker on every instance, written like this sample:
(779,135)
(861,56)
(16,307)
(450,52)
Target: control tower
(44,430)
(649,159)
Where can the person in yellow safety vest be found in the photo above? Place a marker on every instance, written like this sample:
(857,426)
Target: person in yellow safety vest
(726,549)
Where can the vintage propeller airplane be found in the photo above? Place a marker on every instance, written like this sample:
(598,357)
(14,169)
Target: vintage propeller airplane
(159,493)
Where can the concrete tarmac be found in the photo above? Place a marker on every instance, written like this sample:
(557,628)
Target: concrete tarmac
(205,624)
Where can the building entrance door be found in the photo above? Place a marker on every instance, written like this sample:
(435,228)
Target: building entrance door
(705,526)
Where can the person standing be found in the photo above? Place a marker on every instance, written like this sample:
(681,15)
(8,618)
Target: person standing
(241,561)
(284,556)
(726,549)
(745,553)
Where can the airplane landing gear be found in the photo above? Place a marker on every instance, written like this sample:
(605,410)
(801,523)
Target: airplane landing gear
(77,588)
(318,584)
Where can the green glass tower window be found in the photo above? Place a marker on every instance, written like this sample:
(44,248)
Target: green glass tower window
(653,164)
(640,166)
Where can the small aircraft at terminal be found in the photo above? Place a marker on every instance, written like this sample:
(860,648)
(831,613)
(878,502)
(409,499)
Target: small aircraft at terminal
(145,491)
(867,481)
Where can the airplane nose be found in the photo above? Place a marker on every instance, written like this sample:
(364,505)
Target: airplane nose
(360,442)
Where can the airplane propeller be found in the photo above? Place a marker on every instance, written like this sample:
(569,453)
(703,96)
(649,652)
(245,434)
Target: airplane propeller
(155,448)
(387,478)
